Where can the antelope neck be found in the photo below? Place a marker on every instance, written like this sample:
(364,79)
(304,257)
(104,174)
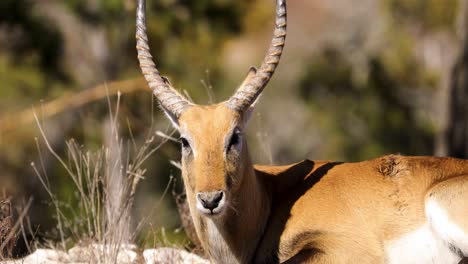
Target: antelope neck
(234,238)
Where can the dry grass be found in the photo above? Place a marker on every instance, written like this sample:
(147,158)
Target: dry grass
(6,227)
(104,184)
(9,228)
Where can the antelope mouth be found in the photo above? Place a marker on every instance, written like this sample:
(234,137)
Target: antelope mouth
(211,212)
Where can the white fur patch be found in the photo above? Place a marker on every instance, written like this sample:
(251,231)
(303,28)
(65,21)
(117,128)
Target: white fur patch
(220,252)
(448,231)
(421,246)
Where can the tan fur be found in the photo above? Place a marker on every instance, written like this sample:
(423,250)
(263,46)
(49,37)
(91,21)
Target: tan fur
(311,211)
(355,207)
(206,171)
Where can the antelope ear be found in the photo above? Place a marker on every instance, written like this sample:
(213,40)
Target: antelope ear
(171,116)
(248,112)
(250,74)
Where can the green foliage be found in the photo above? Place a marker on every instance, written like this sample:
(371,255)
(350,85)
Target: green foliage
(37,36)
(432,14)
(188,37)
(103,11)
(369,110)
(365,118)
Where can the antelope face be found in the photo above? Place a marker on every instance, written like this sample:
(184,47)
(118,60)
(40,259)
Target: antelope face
(212,147)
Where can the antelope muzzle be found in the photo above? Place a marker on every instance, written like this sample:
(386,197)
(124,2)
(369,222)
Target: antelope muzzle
(211,203)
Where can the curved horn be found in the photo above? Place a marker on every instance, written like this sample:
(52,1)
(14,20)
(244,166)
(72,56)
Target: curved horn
(249,92)
(168,97)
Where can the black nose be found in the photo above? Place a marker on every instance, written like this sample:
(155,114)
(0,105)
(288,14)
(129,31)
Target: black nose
(210,200)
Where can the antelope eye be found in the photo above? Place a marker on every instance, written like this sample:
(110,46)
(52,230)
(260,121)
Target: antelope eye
(184,142)
(235,139)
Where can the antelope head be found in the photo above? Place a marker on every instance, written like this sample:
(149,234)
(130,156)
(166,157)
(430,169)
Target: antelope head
(215,160)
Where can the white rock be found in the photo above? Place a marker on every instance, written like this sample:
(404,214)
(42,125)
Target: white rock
(45,256)
(122,254)
(172,256)
(97,253)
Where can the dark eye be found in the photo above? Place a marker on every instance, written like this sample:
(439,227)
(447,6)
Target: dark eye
(235,139)
(184,142)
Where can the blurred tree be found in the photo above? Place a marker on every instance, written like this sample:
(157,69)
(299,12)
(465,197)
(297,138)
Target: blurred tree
(371,118)
(429,14)
(457,133)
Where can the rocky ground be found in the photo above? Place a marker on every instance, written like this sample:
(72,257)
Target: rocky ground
(95,253)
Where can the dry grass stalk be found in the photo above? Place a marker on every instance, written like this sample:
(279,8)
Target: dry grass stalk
(105,182)
(187,222)
(6,226)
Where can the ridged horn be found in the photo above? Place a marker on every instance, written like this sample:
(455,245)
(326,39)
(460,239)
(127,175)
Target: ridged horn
(249,92)
(169,98)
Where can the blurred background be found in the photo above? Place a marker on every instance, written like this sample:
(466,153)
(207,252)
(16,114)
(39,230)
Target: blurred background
(358,79)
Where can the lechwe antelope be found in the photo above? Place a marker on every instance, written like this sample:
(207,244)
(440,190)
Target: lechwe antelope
(392,209)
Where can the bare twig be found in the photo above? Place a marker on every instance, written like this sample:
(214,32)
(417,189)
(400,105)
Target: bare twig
(69,101)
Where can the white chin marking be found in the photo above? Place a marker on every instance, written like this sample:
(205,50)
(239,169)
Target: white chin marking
(446,229)
(420,246)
